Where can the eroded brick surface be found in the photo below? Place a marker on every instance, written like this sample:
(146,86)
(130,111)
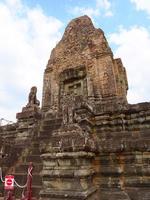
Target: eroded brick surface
(86,141)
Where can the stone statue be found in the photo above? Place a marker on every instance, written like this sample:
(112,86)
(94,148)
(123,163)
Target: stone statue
(90,88)
(32,99)
(68,109)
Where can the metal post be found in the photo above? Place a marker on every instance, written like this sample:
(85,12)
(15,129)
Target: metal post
(29,182)
(9,196)
(28,193)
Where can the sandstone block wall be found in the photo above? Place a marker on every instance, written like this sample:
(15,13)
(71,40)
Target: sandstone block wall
(84,45)
(86,141)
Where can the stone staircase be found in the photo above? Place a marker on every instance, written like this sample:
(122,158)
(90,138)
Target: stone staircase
(20,169)
(48,125)
(33,155)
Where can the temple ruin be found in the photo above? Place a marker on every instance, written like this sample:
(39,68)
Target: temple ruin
(86,141)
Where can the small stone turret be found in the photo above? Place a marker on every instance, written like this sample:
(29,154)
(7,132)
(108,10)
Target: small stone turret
(32,106)
(29,116)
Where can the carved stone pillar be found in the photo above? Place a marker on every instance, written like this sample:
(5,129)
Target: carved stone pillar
(67,175)
(68,166)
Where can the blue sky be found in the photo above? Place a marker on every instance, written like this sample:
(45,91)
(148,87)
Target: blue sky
(31,28)
(124,12)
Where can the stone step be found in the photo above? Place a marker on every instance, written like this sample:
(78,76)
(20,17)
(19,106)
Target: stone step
(16,192)
(33,159)
(24,168)
(35,151)
(51,123)
(114,194)
(21,179)
(50,127)
(45,134)
(11,137)
(35,192)
(36,143)
(50,120)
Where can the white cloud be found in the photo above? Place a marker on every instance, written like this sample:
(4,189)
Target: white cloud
(85,11)
(101,8)
(15,4)
(142,5)
(26,38)
(133,48)
(106,6)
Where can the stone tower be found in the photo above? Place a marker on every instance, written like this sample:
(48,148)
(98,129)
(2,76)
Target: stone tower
(86,141)
(82,63)
(91,152)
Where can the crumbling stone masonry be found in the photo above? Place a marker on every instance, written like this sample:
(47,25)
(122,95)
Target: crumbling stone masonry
(86,141)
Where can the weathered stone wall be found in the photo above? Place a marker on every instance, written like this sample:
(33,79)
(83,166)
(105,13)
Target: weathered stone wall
(124,145)
(17,147)
(86,141)
(84,45)
(82,64)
